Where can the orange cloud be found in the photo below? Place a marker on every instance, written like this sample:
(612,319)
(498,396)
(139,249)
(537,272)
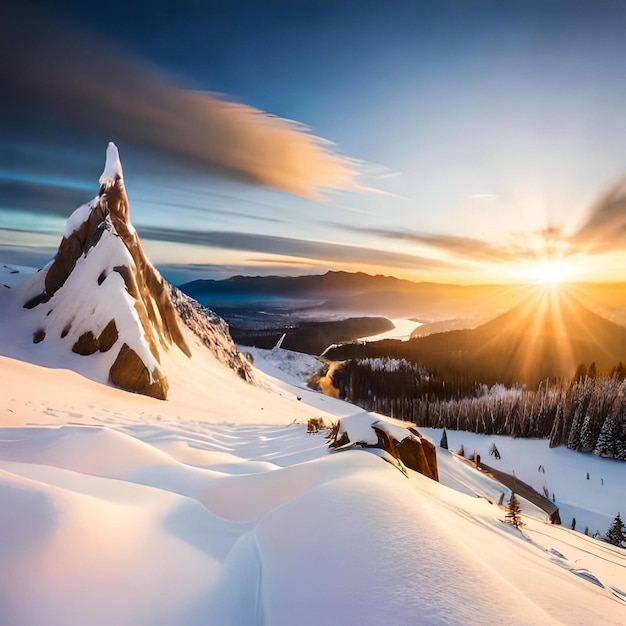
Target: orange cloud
(97,92)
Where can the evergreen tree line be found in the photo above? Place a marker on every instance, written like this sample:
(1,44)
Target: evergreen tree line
(587,414)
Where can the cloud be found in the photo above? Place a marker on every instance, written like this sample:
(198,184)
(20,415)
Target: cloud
(604,230)
(264,261)
(56,80)
(37,197)
(292,247)
(389,175)
(211,211)
(467,248)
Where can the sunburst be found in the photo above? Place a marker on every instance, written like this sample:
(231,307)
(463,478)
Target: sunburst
(550,273)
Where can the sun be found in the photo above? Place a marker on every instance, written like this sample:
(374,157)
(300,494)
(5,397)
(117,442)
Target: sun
(549,273)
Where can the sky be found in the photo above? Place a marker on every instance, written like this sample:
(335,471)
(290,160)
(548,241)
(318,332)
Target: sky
(452,141)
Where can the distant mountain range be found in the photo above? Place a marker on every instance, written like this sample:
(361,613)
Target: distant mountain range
(546,335)
(357,294)
(364,294)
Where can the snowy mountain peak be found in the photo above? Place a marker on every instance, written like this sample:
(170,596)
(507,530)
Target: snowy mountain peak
(112,167)
(101,308)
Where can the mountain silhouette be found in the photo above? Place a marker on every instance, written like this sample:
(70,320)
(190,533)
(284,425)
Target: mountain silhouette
(356,292)
(547,335)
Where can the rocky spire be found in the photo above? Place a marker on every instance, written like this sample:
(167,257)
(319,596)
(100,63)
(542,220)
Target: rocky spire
(154,326)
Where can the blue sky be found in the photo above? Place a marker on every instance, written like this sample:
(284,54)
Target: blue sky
(468,141)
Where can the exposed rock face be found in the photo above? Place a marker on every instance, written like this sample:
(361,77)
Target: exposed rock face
(104,299)
(110,211)
(86,344)
(73,247)
(414,451)
(212,331)
(108,337)
(401,440)
(129,372)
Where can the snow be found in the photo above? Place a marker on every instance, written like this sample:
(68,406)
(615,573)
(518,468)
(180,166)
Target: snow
(109,525)
(296,367)
(217,507)
(82,303)
(78,217)
(112,166)
(359,429)
(11,275)
(593,502)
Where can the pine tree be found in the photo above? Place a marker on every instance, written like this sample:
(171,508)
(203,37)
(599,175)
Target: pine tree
(616,534)
(444,440)
(605,439)
(587,444)
(513,512)
(573,441)
(612,440)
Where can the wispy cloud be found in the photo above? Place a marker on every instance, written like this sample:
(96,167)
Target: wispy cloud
(464,248)
(297,248)
(37,197)
(211,211)
(94,91)
(350,209)
(604,230)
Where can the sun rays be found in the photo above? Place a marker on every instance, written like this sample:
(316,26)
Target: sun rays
(551,273)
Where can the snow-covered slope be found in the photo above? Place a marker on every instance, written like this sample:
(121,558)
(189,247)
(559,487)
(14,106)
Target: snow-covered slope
(136,511)
(100,308)
(586,487)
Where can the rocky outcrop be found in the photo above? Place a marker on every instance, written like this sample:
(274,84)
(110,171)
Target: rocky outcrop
(73,246)
(414,451)
(110,211)
(102,297)
(129,372)
(400,440)
(102,300)
(88,343)
(108,337)
(212,330)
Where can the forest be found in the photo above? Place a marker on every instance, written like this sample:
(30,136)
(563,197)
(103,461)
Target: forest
(586,413)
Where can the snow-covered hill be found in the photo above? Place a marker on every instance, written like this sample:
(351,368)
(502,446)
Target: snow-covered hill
(121,509)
